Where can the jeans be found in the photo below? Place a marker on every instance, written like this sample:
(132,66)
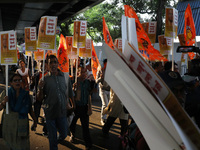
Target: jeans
(60,125)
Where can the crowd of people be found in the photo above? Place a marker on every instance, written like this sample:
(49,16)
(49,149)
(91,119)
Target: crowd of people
(62,96)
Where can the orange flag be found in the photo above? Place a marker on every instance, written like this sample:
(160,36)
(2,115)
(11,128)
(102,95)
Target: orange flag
(62,55)
(106,34)
(94,62)
(189,29)
(144,42)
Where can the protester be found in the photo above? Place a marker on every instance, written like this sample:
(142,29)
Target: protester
(55,90)
(16,123)
(158,67)
(25,73)
(37,104)
(82,91)
(192,103)
(168,66)
(115,109)
(104,91)
(176,84)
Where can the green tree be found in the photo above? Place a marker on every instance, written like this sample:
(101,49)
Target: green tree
(113,12)
(94,20)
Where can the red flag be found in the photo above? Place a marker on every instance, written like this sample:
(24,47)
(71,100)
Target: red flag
(94,62)
(189,29)
(62,55)
(106,34)
(144,42)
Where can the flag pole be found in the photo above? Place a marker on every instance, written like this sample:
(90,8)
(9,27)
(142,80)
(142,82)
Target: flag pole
(43,64)
(84,62)
(77,63)
(32,63)
(173,41)
(71,63)
(7,109)
(76,70)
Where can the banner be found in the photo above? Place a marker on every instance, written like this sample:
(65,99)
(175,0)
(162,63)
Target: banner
(118,44)
(80,28)
(144,92)
(150,29)
(128,28)
(69,40)
(30,39)
(28,53)
(47,33)
(87,51)
(38,55)
(95,62)
(181,38)
(165,45)
(8,44)
(71,51)
(171,22)
(62,55)
(106,35)
(189,28)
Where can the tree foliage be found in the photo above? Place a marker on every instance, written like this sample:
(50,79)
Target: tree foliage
(94,20)
(113,12)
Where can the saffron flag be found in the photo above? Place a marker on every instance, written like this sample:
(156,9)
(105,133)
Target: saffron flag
(189,29)
(144,43)
(106,34)
(62,55)
(94,62)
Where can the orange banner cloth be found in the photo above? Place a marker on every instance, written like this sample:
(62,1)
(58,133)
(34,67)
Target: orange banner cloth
(63,59)
(144,42)
(106,34)
(94,62)
(189,29)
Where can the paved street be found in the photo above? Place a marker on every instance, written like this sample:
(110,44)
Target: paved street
(39,142)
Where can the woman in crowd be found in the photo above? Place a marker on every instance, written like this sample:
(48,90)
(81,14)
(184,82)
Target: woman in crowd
(15,123)
(25,73)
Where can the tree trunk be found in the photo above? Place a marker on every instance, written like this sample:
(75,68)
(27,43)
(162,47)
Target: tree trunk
(159,12)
